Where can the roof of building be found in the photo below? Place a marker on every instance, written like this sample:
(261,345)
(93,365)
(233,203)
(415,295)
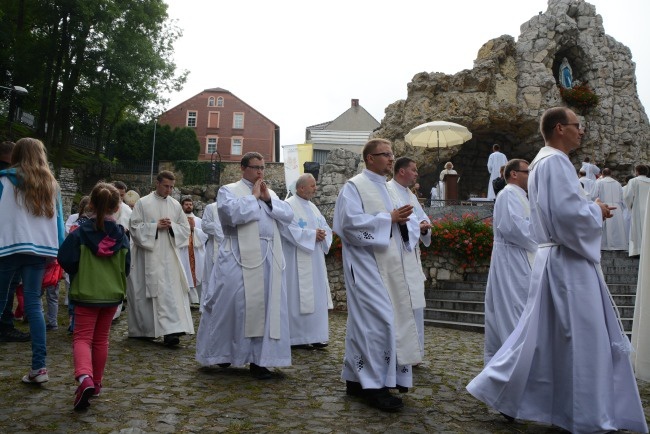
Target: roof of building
(356,118)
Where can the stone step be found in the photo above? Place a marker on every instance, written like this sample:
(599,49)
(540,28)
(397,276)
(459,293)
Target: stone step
(462,305)
(629,279)
(455,325)
(631,270)
(454,316)
(609,262)
(622,288)
(465,295)
(476,277)
(624,299)
(460,285)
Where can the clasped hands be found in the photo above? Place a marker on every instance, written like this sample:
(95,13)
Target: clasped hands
(320,234)
(261,191)
(164,223)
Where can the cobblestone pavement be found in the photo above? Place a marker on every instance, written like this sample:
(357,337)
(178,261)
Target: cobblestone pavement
(154,389)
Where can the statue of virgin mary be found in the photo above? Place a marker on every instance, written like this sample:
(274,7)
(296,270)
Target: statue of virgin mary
(565,74)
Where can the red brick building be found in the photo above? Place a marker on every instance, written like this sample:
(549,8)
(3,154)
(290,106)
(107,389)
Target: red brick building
(225,125)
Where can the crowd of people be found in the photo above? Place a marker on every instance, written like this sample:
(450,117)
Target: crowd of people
(254,267)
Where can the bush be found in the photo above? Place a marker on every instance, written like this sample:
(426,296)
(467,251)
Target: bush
(579,96)
(468,239)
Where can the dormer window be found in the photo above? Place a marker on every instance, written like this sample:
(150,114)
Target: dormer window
(211,101)
(220,101)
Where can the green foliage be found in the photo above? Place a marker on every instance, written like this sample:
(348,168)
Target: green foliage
(468,239)
(133,142)
(196,172)
(579,96)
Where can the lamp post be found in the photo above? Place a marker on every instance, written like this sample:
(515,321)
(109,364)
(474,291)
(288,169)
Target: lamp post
(14,90)
(153,148)
(213,165)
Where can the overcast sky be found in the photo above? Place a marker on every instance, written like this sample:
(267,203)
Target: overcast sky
(300,62)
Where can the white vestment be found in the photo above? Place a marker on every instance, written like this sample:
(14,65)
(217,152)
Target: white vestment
(511,262)
(636,196)
(123,216)
(615,235)
(588,186)
(591,170)
(415,277)
(567,362)
(495,161)
(211,225)
(222,336)
(641,323)
(158,303)
(308,291)
(374,341)
(199,239)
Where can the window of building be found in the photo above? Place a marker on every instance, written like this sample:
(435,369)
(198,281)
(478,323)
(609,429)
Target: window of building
(220,101)
(191,119)
(213,120)
(211,101)
(211,144)
(236,146)
(238,120)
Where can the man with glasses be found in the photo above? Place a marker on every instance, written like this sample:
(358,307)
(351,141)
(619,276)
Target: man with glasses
(245,317)
(513,251)
(381,341)
(567,363)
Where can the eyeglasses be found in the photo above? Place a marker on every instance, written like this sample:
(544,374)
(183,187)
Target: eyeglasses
(522,171)
(385,154)
(257,167)
(578,125)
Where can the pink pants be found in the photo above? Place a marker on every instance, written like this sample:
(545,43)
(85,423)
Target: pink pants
(92,325)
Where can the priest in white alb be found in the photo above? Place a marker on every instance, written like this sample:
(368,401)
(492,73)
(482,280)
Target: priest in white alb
(610,191)
(212,227)
(305,243)
(381,341)
(158,302)
(495,161)
(245,317)
(193,255)
(405,172)
(641,322)
(567,363)
(513,252)
(635,195)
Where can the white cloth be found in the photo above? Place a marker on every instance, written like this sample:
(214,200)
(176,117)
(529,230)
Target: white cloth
(415,276)
(158,303)
(588,186)
(199,239)
(211,225)
(70,221)
(511,262)
(308,291)
(636,199)
(221,336)
(123,216)
(495,161)
(567,362)
(591,170)
(370,341)
(615,234)
(641,323)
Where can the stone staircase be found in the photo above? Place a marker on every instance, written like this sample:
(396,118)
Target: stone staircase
(460,304)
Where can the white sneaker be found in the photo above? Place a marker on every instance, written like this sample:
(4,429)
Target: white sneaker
(37,376)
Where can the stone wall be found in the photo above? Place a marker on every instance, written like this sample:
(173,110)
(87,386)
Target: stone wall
(511,84)
(436,268)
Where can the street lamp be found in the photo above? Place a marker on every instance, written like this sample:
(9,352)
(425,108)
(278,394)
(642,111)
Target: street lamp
(14,90)
(153,148)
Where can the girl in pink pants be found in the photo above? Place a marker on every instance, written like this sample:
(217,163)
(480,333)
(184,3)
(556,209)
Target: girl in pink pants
(97,258)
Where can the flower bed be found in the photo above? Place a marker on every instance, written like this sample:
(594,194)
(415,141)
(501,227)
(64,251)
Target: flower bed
(579,96)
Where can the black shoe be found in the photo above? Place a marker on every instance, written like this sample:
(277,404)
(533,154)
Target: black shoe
(14,335)
(319,345)
(223,365)
(352,388)
(260,372)
(508,418)
(383,400)
(301,347)
(402,389)
(171,340)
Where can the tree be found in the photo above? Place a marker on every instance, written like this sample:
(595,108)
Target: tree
(89,64)
(133,142)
